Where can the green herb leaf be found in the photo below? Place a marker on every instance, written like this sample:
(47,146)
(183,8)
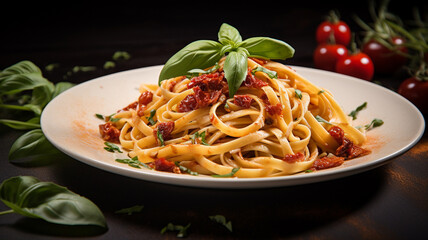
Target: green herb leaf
(198,54)
(182,230)
(320,119)
(228,35)
(32,143)
(234,170)
(374,123)
(270,73)
(130,210)
(133,162)
(268,48)
(235,70)
(222,220)
(150,118)
(185,169)
(30,197)
(160,138)
(354,113)
(298,93)
(121,55)
(111,147)
(198,135)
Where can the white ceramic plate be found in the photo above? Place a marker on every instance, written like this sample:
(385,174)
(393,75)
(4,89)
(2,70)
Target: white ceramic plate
(69,122)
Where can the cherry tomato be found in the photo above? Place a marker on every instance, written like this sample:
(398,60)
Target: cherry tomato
(326,56)
(386,61)
(416,91)
(339,29)
(357,65)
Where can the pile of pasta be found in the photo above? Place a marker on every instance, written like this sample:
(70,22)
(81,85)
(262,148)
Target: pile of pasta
(267,129)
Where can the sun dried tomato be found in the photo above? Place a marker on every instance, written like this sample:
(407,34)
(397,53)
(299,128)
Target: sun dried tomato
(327,162)
(252,82)
(292,158)
(187,104)
(164,128)
(243,101)
(337,133)
(212,81)
(161,164)
(109,132)
(274,109)
(145,98)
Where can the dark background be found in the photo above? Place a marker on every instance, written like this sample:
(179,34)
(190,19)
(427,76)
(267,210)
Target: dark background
(389,202)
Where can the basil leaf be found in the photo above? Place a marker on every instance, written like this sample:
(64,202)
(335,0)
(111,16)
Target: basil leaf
(229,35)
(21,125)
(354,113)
(374,123)
(222,220)
(32,143)
(235,70)
(30,197)
(22,67)
(61,87)
(320,119)
(130,210)
(270,48)
(198,54)
(270,73)
(111,147)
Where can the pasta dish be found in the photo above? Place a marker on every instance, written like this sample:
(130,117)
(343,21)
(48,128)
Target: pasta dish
(277,123)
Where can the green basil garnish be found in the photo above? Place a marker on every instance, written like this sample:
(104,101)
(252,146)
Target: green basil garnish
(30,197)
(354,113)
(234,170)
(202,54)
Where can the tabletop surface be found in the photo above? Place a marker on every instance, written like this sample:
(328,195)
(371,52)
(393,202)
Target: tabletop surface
(389,202)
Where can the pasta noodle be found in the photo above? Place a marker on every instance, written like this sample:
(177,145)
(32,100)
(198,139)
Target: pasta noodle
(273,125)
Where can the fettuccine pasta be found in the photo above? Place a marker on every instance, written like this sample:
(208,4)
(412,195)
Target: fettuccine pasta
(278,123)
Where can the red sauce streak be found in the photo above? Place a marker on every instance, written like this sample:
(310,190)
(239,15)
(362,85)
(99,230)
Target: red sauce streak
(161,164)
(109,132)
(165,129)
(292,158)
(243,101)
(327,162)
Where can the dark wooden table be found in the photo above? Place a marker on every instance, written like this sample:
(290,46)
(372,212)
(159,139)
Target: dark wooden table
(390,202)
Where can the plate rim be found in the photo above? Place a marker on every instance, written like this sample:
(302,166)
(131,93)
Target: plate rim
(237,183)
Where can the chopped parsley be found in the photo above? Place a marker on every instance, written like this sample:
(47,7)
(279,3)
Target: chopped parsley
(130,210)
(354,113)
(200,136)
(150,118)
(222,220)
(110,147)
(182,230)
(298,93)
(320,119)
(133,162)
(234,170)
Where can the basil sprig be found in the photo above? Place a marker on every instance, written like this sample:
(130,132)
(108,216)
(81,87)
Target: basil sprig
(30,197)
(23,89)
(202,54)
